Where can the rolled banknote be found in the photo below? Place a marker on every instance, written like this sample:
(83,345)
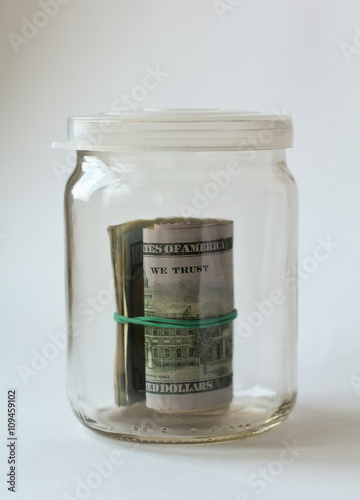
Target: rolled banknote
(188,274)
(127,261)
(126,246)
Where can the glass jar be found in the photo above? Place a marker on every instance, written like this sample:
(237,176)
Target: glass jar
(186,217)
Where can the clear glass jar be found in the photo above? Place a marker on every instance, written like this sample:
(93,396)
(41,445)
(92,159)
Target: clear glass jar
(193,166)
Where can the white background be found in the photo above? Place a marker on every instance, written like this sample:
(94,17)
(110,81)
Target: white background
(300,57)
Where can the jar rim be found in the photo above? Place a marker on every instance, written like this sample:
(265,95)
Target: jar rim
(179,130)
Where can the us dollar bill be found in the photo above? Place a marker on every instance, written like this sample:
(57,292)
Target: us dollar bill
(127,262)
(126,247)
(188,274)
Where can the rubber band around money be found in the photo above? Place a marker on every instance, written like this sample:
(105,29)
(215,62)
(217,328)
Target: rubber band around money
(177,323)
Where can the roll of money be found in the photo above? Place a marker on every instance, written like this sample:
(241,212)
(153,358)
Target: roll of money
(188,275)
(127,261)
(126,247)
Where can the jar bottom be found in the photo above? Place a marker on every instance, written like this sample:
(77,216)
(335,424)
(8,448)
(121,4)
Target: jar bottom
(244,418)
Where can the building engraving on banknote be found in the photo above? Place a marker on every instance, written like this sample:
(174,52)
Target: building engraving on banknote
(188,275)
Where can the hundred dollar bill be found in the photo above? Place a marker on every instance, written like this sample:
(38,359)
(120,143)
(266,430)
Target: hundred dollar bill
(126,245)
(188,274)
(127,260)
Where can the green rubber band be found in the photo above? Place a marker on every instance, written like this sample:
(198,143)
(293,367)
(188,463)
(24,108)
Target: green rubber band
(177,323)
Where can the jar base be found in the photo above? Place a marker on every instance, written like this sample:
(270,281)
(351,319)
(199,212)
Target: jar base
(243,419)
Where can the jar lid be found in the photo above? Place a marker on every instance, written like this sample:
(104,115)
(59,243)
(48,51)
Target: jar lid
(179,130)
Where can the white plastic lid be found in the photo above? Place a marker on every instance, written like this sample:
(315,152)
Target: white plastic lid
(179,130)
